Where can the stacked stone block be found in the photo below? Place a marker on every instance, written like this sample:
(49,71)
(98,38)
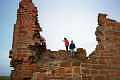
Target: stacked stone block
(26,34)
(103,63)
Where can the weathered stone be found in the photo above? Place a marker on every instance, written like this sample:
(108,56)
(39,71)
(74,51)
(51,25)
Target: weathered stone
(32,61)
(107,52)
(26,34)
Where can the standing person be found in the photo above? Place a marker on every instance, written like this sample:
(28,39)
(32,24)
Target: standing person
(72,47)
(66,43)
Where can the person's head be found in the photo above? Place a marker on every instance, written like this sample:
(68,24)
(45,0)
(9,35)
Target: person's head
(65,38)
(71,41)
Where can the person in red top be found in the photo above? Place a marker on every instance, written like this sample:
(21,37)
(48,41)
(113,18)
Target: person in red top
(66,43)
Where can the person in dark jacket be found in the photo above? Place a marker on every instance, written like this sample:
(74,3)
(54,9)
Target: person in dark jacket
(72,48)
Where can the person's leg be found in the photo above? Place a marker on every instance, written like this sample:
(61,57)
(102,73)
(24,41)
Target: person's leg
(67,48)
(72,52)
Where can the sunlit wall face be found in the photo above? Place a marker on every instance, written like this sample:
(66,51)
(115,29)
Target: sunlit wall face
(74,19)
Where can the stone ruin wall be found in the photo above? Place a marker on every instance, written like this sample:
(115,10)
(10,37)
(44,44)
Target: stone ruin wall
(103,63)
(64,67)
(26,34)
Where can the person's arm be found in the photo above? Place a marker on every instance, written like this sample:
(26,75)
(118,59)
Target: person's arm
(74,46)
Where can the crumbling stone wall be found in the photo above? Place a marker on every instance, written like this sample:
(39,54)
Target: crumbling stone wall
(103,63)
(29,55)
(60,66)
(26,35)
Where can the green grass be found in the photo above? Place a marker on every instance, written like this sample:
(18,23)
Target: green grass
(4,78)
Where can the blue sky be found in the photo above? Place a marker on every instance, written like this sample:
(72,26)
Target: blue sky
(74,19)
